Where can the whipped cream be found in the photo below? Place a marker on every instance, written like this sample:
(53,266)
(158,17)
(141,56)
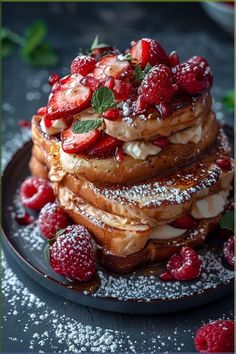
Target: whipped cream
(140,149)
(190,135)
(166,232)
(210,206)
(57,126)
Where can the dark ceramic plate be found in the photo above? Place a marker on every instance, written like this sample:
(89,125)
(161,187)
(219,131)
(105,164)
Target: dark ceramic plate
(139,293)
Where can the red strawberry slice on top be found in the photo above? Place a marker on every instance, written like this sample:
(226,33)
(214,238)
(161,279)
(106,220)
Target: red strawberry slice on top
(148,51)
(69,98)
(76,143)
(110,65)
(105,147)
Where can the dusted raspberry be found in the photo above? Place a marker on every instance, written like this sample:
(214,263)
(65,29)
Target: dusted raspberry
(185,265)
(35,192)
(82,65)
(190,78)
(203,63)
(148,51)
(214,337)
(173,58)
(72,255)
(157,85)
(52,218)
(228,250)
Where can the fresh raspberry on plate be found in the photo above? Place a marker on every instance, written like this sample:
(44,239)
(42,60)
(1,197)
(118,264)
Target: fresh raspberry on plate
(214,337)
(82,65)
(52,218)
(203,63)
(228,250)
(190,78)
(157,85)
(35,192)
(185,265)
(72,255)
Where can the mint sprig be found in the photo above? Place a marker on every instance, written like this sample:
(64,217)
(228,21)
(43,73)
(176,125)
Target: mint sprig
(103,98)
(33,47)
(97,45)
(227,222)
(228,100)
(85,126)
(140,73)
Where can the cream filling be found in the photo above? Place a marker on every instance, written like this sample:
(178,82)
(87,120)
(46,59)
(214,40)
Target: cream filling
(190,135)
(57,126)
(210,206)
(140,149)
(166,232)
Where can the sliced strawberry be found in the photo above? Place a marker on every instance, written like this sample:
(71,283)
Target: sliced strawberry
(69,98)
(105,147)
(148,51)
(122,90)
(110,65)
(184,222)
(76,143)
(90,81)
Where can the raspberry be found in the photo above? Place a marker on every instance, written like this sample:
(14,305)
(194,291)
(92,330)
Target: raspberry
(217,336)
(35,192)
(203,63)
(173,58)
(24,219)
(190,78)
(82,65)
(157,85)
(72,255)
(51,219)
(228,250)
(185,265)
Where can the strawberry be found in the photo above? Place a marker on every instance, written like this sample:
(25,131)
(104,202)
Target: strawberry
(148,51)
(111,114)
(110,65)
(76,143)
(82,65)
(122,90)
(184,222)
(90,81)
(105,147)
(69,98)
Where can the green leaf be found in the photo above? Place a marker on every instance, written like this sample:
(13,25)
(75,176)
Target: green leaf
(139,73)
(7,47)
(147,68)
(227,222)
(84,126)
(35,35)
(43,55)
(228,100)
(96,44)
(46,252)
(103,98)
(60,232)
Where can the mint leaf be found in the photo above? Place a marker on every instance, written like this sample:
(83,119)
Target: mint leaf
(7,47)
(139,73)
(46,252)
(60,232)
(34,36)
(42,55)
(228,100)
(227,222)
(97,45)
(84,126)
(103,98)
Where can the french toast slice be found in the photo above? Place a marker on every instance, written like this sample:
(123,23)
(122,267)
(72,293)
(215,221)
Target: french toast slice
(130,169)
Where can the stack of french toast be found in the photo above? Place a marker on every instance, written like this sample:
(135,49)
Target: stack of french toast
(134,152)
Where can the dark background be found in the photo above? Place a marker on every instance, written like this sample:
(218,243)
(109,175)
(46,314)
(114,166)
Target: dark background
(178,26)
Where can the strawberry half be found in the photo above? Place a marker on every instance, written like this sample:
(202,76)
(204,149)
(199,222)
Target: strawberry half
(105,147)
(76,143)
(69,98)
(184,222)
(148,51)
(110,65)
(122,90)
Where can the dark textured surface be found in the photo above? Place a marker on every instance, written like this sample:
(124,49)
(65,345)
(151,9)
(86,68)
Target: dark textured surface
(183,27)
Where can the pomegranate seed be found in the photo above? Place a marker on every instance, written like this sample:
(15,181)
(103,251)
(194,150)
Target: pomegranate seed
(24,123)
(164,109)
(110,82)
(141,104)
(111,114)
(173,58)
(25,219)
(166,276)
(42,111)
(119,154)
(53,78)
(224,164)
(90,81)
(161,142)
